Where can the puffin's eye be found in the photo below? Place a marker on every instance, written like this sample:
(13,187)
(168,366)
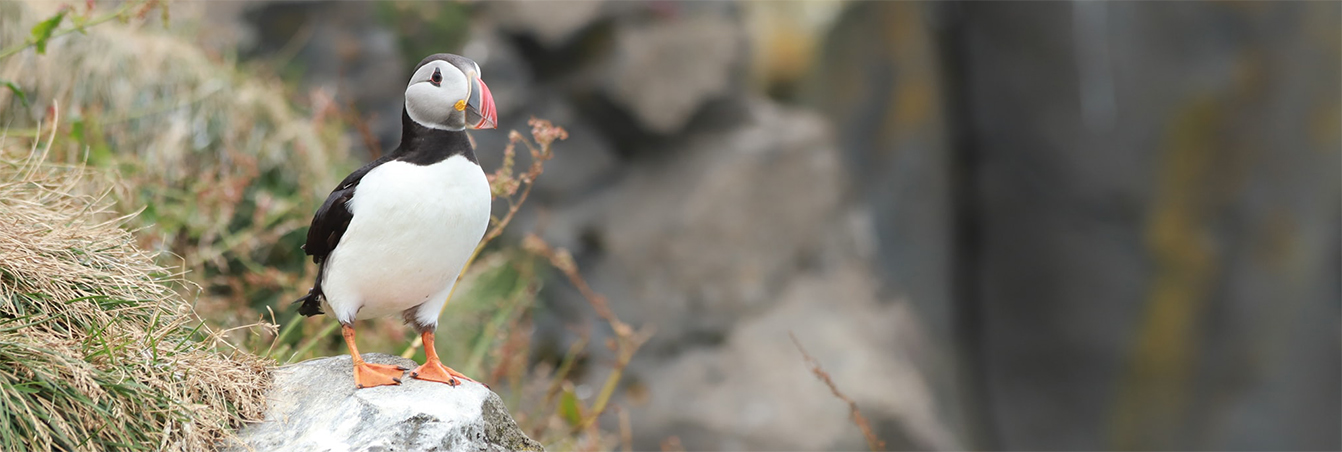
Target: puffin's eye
(437,78)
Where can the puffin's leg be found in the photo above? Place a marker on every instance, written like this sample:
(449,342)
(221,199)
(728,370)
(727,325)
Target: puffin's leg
(433,369)
(367,375)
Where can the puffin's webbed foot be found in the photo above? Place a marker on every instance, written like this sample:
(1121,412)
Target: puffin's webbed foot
(367,375)
(434,370)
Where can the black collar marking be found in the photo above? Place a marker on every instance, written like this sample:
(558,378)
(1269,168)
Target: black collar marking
(422,145)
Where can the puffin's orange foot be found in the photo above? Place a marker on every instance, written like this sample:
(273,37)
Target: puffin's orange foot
(434,370)
(367,375)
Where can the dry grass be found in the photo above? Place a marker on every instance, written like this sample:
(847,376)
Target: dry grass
(98,351)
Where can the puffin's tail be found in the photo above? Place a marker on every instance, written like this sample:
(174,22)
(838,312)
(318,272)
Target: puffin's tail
(312,302)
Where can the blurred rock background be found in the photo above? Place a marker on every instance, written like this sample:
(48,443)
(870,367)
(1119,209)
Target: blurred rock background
(1033,225)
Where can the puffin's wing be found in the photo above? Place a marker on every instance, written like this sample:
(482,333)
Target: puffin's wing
(333,217)
(329,223)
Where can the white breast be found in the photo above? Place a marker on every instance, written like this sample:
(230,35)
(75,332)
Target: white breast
(413,229)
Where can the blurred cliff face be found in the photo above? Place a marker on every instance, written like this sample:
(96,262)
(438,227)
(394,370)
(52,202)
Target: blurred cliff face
(998,225)
(1145,244)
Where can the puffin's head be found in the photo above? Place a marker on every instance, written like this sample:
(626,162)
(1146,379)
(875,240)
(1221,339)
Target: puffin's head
(446,92)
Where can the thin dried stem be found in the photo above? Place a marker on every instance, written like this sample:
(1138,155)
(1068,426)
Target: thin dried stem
(626,432)
(874,443)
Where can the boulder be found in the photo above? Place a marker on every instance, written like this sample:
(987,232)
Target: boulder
(550,23)
(663,72)
(314,406)
(755,392)
(697,242)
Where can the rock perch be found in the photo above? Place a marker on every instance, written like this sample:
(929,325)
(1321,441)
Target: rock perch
(314,407)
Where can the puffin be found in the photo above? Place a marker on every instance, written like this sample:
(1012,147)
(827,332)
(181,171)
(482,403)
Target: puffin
(393,236)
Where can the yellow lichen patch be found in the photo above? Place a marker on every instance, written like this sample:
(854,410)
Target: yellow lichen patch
(915,102)
(916,99)
(785,37)
(1153,395)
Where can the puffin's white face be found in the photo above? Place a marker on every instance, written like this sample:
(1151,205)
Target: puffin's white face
(441,95)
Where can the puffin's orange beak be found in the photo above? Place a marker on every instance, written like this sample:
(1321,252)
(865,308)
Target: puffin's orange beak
(480,110)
